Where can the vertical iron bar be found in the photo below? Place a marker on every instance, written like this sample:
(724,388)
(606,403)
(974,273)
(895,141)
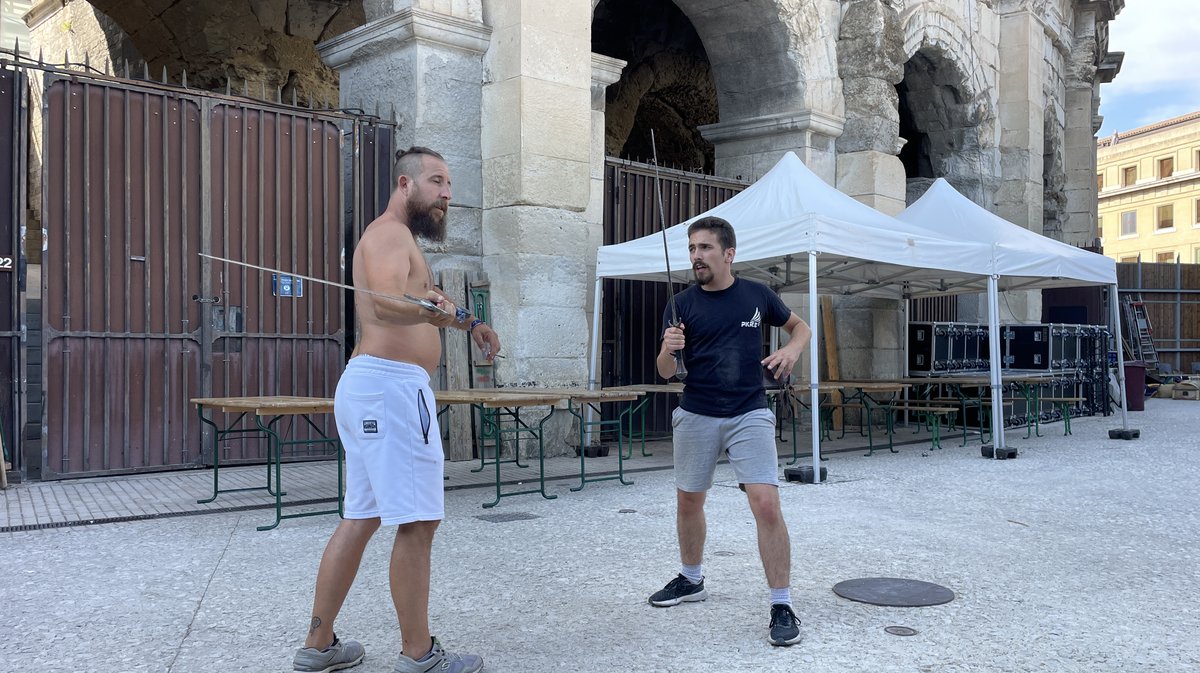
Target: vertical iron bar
(247,278)
(146,286)
(106,144)
(294,137)
(126,412)
(65,251)
(206,284)
(225,280)
(166,327)
(310,257)
(184,276)
(258,228)
(87,289)
(279,135)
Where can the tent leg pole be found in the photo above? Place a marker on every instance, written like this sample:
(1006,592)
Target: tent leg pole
(1125,432)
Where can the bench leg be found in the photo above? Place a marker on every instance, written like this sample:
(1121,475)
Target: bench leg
(1066,414)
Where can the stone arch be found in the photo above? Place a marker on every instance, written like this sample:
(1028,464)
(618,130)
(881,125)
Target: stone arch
(666,84)
(929,28)
(947,111)
(269,44)
(787,96)
(752,81)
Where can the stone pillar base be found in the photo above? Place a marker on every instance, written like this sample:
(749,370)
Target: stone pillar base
(875,178)
(748,148)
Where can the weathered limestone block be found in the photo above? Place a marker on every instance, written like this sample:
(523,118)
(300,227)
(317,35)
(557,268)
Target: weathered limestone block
(871,62)
(426,67)
(750,147)
(471,10)
(875,178)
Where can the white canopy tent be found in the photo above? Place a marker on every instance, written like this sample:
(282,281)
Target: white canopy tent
(791,214)
(1021,259)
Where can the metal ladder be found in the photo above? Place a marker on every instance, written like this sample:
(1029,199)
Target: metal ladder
(1141,340)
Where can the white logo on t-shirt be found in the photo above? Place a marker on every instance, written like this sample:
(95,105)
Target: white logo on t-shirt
(755,322)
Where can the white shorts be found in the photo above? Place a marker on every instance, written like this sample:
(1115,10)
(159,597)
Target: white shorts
(387,421)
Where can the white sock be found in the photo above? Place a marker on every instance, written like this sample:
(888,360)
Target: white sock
(693,573)
(781,596)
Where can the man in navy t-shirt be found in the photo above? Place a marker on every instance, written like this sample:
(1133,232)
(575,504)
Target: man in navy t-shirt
(724,409)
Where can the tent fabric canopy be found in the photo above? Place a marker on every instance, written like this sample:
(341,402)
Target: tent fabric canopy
(790,212)
(796,232)
(942,244)
(1023,259)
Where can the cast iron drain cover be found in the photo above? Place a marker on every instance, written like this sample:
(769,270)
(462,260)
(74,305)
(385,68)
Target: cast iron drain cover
(893,592)
(508,516)
(900,630)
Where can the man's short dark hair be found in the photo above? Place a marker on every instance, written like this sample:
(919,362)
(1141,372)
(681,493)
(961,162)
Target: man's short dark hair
(409,162)
(722,228)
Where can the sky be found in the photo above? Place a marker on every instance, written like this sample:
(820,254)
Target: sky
(1160,77)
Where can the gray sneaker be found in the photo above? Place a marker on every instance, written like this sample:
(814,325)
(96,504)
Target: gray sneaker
(441,661)
(337,656)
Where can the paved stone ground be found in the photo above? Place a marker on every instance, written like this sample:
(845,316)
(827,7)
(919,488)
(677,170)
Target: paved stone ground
(1078,556)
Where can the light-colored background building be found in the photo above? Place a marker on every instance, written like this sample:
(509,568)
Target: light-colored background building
(1149,200)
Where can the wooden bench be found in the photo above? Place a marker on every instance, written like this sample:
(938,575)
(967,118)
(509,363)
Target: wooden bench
(1063,404)
(931,416)
(864,425)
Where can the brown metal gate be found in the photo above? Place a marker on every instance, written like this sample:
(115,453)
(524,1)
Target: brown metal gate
(633,310)
(139,179)
(13,134)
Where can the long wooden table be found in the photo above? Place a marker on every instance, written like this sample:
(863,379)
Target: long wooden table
(504,421)
(273,408)
(636,410)
(1028,384)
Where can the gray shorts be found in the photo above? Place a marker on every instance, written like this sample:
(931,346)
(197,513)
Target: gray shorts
(748,439)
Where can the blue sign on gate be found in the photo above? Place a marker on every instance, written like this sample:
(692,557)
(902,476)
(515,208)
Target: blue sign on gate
(286,286)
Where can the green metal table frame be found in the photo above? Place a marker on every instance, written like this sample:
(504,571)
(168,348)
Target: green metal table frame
(261,408)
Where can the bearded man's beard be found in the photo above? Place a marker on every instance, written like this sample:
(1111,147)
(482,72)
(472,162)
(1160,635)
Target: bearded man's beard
(428,222)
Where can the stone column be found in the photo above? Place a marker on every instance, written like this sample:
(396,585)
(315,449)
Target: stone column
(1022,76)
(425,66)
(871,61)
(605,71)
(1082,123)
(537,166)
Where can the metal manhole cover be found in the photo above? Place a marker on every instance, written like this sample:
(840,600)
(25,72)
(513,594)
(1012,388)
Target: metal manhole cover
(893,592)
(900,630)
(507,516)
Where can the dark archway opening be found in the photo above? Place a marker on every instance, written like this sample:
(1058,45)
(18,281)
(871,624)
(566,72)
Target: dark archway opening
(667,85)
(940,124)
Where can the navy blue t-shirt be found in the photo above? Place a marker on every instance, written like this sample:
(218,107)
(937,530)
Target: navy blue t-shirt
(724,348)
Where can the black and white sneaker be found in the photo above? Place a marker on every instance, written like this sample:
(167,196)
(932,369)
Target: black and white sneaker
(678,590)
(785,628)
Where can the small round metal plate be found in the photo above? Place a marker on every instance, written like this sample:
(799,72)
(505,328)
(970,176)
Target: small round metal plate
(893,592)
(722,553)
(900,630)
(626,511)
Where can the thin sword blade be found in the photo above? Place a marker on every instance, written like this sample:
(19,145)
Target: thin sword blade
(408,298)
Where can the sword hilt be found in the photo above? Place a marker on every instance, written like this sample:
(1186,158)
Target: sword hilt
(680,369)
